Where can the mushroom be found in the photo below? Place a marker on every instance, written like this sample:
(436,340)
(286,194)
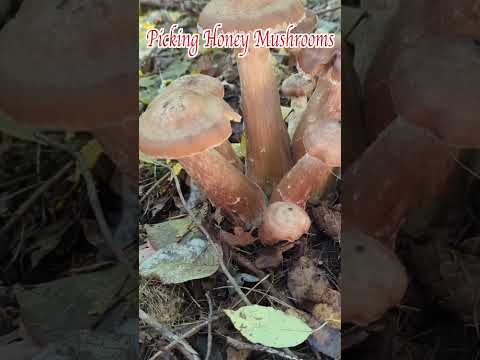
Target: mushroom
(373,279)
(283,221)
(434,85)
(185,125)
(298,88)
(324,104)
(306,26)
(401,172)
(268,156)
(58,93)
(204,83)
(313,171)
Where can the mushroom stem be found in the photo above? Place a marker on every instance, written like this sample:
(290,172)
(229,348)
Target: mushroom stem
(412,172)
(268,157)
(225,185)
(227,151)
(324,104)
(308,174)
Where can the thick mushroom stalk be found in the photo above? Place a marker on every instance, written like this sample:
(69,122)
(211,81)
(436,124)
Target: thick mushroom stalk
(325,104)
(411,169)
(188,126)
(225,186)
(284,221)
(268,153)
(268,156)
(373,279)
(314,170)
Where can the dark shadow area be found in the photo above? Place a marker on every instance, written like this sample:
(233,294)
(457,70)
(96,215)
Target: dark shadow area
(68,179)
(411,140)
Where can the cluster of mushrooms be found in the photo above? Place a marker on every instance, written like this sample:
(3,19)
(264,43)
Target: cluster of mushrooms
(421,115)
(190,122)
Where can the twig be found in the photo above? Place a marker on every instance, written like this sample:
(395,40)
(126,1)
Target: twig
(209,326)
(267,285)
(94,201)
(199,224)
(34,197)
(240,345)
(182,345)
(193,331)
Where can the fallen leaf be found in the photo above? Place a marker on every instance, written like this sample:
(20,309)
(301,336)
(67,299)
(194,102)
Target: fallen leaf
(306,282)
(268,326)
(182,253)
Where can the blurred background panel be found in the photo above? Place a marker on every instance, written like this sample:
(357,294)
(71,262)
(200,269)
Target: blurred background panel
(68,178)
(410,192)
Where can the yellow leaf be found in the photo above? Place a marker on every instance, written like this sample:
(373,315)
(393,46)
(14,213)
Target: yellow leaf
(90,152)
(243,144)
(177,169)
(286,111)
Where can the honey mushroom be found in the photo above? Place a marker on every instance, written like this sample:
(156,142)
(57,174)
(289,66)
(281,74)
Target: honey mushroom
(187,126)
(268,154)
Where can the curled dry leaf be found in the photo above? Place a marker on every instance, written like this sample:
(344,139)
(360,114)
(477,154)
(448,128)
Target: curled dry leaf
(272,257)
(328,219)
(310,288)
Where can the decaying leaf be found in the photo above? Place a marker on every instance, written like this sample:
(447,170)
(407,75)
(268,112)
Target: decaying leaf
(182,253)
(306,282)
(268,326)
(272,257)
(49,310)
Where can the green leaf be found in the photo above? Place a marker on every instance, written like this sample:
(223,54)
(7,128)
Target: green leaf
(9,127)
(268,326)
(176,69)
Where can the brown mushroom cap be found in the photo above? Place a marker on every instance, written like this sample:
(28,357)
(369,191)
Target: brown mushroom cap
(297,85)
(248,15)
(82,76)
(284,221)
(435,86)
(198,82)
(323,140)
(373,279)
(182,123)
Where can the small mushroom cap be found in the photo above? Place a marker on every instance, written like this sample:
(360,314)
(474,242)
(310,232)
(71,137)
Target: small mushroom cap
(323,140)
(200,83)
(435,86)
(284,221)
(182,123)
(373,279)
(248,15)
(62,66)
(297,85)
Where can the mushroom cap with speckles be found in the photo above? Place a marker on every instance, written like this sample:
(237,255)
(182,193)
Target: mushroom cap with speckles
(284,221)
(200,83)
(248,15)
(183,123)
(298,85)
(435,86)
(63,67)
(323,140)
